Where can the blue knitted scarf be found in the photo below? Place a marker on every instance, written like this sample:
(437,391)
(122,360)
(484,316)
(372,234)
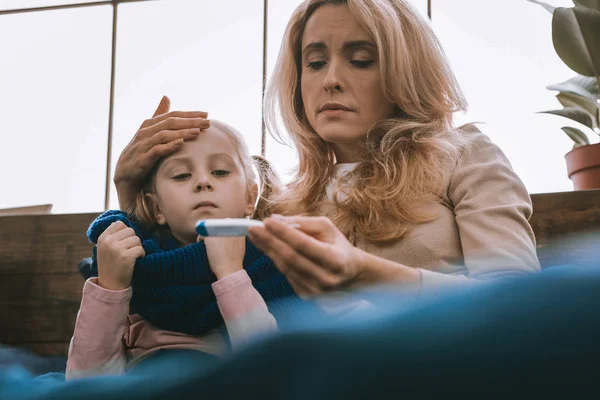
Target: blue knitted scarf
(172,284)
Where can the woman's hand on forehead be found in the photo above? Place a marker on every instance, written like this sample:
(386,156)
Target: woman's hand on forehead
(159,136)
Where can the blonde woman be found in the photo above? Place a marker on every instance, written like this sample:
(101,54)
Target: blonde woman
(387,189)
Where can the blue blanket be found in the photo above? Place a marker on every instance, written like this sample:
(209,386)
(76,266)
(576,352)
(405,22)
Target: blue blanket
(533,335)
(31,362)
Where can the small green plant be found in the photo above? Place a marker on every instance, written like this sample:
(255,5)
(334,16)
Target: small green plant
(576,39)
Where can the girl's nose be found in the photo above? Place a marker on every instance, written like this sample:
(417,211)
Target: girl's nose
(203,183)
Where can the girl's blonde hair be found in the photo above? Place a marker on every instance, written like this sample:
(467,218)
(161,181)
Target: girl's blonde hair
(407,158)
(260,180)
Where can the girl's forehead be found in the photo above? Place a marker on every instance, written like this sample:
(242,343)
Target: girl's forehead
(212,144)
(211,140)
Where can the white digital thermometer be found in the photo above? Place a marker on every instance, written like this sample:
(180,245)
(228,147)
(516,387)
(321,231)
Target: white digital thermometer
(228,226)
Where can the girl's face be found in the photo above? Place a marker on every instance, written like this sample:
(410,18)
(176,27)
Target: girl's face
(340,80)
(203,180)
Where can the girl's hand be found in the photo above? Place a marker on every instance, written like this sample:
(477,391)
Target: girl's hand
(157,137)
(315,258)
(225,254)
(118,248)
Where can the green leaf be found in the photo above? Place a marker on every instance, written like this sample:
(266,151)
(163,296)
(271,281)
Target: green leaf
(577,136)
(595,4)
(576,101)
(574,114)
(584,86)
(545,5)
(576,38)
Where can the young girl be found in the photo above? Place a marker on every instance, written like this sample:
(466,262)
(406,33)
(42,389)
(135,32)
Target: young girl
(169,298)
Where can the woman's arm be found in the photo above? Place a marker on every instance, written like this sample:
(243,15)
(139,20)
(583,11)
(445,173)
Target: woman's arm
(157,137)
(97,346)
(492,209)
(317,258)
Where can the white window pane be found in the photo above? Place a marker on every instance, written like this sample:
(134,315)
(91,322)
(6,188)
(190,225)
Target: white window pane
(283,157)
(421,6)
(20,4)
(54,108)
(204,55)
(503,57)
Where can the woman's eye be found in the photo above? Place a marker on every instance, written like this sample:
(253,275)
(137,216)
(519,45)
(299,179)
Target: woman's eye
(181,177)
(362,63)
(316,65)
(220,172)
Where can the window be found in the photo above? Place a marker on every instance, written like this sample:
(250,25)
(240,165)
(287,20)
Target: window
(502,55)
(56,69)
(193,52)
(21,4)
(55,81)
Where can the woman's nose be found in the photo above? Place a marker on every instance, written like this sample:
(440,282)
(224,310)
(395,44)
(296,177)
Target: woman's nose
(332,81)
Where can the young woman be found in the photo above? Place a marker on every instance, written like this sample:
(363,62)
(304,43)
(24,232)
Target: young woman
(388,189)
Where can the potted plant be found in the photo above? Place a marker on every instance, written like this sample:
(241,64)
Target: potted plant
(576,39)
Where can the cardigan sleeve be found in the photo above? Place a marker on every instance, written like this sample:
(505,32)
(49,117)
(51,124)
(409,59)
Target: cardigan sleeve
(97,346)
(243,309)
(492,209)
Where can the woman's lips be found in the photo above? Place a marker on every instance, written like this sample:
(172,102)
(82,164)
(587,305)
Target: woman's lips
(334,112)
(334,106)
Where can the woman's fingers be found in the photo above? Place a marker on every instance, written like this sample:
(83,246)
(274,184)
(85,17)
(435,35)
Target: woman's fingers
(173,124)
(160,145)
(288,260)
(202,115)
(163,106)
(164,137)
(318,227)
(314,248)
(158,151)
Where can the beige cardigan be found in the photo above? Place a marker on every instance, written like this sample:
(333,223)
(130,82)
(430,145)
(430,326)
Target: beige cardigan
(482,231)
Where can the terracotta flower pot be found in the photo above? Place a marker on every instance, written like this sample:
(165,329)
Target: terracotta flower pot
(583,167)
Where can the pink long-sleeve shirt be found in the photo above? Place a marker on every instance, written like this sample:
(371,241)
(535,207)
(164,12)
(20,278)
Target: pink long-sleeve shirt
(107,340)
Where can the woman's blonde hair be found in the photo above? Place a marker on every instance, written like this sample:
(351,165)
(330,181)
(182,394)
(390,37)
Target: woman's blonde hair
(261,181)
(407,158)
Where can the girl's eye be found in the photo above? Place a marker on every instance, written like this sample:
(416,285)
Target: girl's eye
(181,177)
(362,63)
(220,172)
(316,65)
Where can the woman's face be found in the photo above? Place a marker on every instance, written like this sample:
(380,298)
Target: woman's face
(340,80)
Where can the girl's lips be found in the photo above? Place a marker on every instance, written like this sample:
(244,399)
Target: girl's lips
(205,205)
(204,210)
